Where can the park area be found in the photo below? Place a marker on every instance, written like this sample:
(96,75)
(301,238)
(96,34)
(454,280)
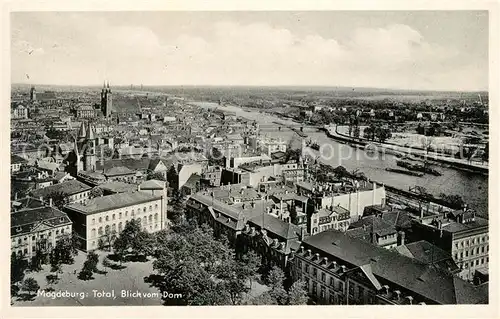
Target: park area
(131,277)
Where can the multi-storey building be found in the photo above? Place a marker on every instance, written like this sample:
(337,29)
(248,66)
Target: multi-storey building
(461,233)
(74,191)
(103,216)
(19,112)
(339,269)
(39,228)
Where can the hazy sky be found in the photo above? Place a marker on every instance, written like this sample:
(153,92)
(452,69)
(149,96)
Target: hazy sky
(441,50)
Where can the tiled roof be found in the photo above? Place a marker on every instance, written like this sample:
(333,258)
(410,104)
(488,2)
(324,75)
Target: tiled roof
(118,187)
(15,159)
(153,184)
(69,187)
(22,222)
(115,201)
(431,283)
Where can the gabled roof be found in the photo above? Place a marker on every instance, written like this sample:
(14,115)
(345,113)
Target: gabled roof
(22,222)
(410,274)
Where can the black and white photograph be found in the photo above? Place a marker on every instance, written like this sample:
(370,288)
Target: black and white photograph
(249,157)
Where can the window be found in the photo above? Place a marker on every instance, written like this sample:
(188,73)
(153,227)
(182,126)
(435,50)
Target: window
(307,265)
(156,206)
(144,210)
(126,213)
(315,272)
(332,298)
(100,219)
(120,226)
(477,262)
(19,241)
(92,233)
(133,213)
(351,290)
(62,232)
(99,231)
(315,289)
(360,292)
(323,277)
(114,216)
(299,264)
(150,208)
(150,219)
(466,253)
(93,221)
(33,237)
(113,228)
(332,281)
(57,232)
(106,229)
(156,216)
(120,215)
(107,218)
(323,292)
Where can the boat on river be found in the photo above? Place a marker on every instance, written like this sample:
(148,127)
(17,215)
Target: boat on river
(424,168)
(406,172)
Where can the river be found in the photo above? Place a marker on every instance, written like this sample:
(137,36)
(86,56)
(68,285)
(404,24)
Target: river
(472,187)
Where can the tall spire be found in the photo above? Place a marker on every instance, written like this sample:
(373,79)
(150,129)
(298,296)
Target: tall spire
(108,84)
(82,132)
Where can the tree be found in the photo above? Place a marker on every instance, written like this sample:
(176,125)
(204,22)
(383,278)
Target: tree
(30,285)
(356,131)
(106,263)
(17,267)
(382,134)
(156,175)
(59,199)
(454,201)
(275,280)
(56,261)
(297,295)
(96,192)
(340,172)
(369,132)
(120,248)
(38,259)
(250,265)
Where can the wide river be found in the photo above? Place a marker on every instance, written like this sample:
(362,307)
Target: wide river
(472,187)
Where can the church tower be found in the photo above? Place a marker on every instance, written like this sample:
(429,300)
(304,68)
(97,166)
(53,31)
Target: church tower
(89,155)
(33,94)
(106,100)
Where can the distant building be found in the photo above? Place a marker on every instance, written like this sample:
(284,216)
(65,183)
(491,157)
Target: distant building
(85,111)
(19,112)
(105,216)
(106,100)
(36,229)
(16,162)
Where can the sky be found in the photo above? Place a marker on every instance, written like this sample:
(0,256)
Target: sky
(420,50)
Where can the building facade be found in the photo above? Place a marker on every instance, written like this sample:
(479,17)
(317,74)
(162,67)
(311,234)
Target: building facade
(36,229)
(106,216)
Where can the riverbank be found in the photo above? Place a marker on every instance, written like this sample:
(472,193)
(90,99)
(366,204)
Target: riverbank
(402,150)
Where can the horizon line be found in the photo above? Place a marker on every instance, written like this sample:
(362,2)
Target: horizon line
(257,86)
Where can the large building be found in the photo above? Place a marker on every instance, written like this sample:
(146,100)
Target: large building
(39,228)
(104,216)
(73,191)
(460,233)
(339,269)
(19,112)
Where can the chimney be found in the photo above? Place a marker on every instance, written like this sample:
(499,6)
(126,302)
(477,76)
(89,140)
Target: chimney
(386,289)
(316,255)
(343,268)
(139,187)
(302,249)
(308,252)
(410,299)
(398,294)
(334,264)
(41,198)
(325,259)
(50,202)
(302,235)
(402,238)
